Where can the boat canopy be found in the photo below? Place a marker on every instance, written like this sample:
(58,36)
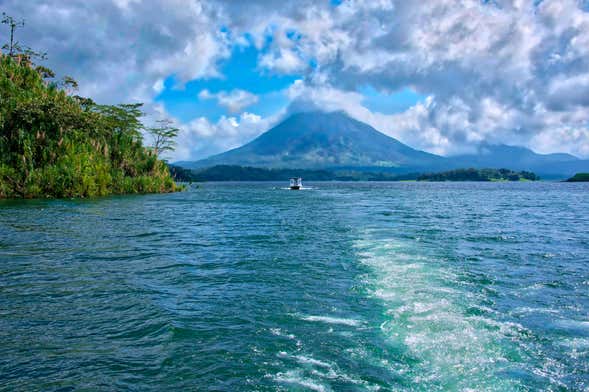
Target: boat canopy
(296,181)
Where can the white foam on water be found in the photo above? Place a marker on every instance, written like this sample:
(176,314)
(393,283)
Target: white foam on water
(332,320)
(279,332)
(551,370)
(323,370)
(577,324)
(428,317)
(312,361)
(294,377)
(576,348)
(303,188)
(530,310)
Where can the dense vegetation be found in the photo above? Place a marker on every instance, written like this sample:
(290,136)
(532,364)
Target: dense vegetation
(479,175)
(241,173)
(579,177)
(244,173)
(53,144)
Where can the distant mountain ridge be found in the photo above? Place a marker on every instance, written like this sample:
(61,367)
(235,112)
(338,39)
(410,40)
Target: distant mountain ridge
(557,165)
(318,140)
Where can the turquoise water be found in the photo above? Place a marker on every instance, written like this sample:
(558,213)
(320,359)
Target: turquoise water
(343,287)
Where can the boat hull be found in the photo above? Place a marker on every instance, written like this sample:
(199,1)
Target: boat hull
(295,188)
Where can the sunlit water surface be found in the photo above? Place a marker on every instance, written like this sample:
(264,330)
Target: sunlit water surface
(342,287)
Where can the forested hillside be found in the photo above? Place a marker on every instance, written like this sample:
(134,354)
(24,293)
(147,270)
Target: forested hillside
(56,144)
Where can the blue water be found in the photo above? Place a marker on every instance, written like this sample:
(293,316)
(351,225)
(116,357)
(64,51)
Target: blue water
(343,287)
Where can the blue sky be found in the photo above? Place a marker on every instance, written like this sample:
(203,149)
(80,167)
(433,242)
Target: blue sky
(242,72)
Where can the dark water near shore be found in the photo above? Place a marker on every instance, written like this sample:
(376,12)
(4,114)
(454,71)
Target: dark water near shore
(343,287)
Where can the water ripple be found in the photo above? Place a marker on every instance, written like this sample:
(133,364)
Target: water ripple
(364,286)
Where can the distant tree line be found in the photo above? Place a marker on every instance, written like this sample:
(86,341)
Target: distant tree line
(243,173)
(57,144)
(579,177)
(479,175)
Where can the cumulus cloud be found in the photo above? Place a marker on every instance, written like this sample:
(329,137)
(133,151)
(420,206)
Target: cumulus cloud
(234,101)
(201,137)
(506,71)
(119,49)
(283,60)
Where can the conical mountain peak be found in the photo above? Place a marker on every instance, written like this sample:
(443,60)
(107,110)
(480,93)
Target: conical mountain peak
(322,140)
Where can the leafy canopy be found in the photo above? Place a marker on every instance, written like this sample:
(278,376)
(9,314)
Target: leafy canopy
(163,135)
(55,144)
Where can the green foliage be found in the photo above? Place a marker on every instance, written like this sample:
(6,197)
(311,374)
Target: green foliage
(240,173)
(244,173)
(579,177)
(56,145)
(479,175)
(163,136)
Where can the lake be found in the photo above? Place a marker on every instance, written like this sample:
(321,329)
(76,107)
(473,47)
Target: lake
(342,287)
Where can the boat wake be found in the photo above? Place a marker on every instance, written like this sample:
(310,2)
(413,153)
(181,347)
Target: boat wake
(305,188)
(428,314)
(333,320)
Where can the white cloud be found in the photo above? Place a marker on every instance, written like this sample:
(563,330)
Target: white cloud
(506,72)
(120,50)
(509,71)
(124,4)
(203,138)
(234,101)
(284,61)
(158,86)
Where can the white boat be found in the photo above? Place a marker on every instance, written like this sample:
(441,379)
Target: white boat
(296,183)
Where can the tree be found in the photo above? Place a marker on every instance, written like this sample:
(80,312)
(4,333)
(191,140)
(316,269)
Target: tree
(12,46)
(15,50)
(69,84)
(163,135)
(45,72)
